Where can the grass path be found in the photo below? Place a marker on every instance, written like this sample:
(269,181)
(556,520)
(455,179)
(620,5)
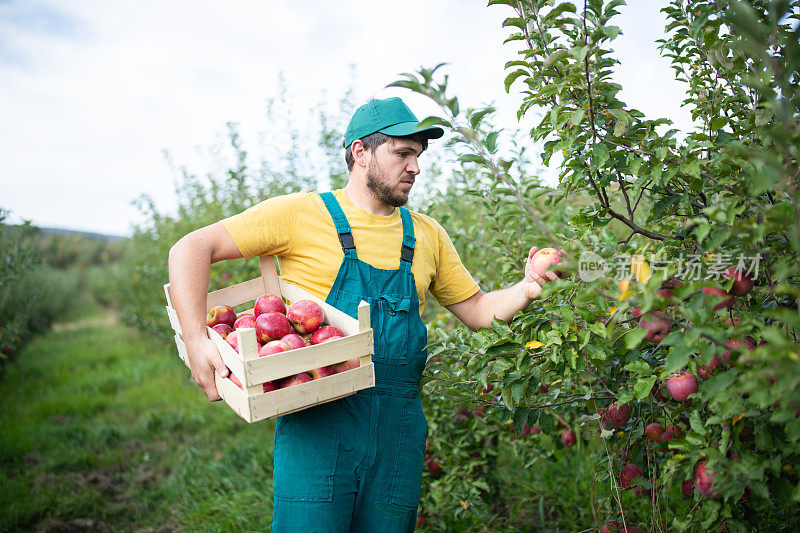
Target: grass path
(103,429)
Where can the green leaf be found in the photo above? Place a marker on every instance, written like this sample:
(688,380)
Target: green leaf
(643,387)
(676,359)
(508,398)
(639,367)
(634,337)
(599,154)
(599,329)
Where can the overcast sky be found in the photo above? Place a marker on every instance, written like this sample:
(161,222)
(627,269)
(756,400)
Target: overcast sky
(93,91)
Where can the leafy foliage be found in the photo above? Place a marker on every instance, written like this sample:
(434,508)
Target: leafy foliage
(667,212)
(32,296)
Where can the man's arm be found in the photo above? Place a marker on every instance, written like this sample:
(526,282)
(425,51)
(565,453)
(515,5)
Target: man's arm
(190,262)
(478,310)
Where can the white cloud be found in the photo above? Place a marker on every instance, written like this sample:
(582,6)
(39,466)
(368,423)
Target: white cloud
(91,93)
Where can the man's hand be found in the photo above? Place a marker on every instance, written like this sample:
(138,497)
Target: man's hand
(532,283)
(204,360)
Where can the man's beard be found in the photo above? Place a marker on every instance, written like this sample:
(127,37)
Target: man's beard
(376,183)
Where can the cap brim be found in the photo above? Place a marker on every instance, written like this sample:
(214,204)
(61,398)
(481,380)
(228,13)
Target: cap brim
(409,128)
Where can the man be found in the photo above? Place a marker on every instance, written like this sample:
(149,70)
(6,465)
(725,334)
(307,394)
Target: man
(354,464)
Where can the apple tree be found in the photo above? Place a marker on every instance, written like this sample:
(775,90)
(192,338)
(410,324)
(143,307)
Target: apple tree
(682,310)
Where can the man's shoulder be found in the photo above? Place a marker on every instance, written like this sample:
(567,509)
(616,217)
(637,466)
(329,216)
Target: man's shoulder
(426,223)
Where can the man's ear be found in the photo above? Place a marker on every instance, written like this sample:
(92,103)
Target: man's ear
(359,153)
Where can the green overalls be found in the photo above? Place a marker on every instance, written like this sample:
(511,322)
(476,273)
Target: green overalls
(355,464)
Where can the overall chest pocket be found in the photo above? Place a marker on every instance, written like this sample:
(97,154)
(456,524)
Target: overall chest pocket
(390,317)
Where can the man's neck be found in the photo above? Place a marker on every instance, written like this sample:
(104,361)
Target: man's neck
(362,198)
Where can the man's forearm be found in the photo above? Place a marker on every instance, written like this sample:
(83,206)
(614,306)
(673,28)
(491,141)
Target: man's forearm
(502,303)
(478,310)
(189,271)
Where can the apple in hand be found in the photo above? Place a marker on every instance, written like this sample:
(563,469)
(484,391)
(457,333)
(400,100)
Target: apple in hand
(306,316)
(220,314)
(544,259)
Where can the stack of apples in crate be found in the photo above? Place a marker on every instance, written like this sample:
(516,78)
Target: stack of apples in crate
(279,329)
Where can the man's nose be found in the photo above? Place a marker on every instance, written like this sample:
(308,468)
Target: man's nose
(413,166)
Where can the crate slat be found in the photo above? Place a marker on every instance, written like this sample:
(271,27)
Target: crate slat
(318,391)
(293,362)
(236,294)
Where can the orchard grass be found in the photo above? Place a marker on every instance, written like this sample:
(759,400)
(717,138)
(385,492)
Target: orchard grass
(102,423)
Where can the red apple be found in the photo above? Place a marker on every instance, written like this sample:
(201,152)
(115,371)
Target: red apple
(272,326)
(325,333)
(346,365)
(704,371)
(742,282)
(704,481)
(608,525)
(732,344)
(544,259)
(529,430)
(432,465)
(273,347)
(687,488)
(269,303)
(617,415)
(233,340)
(657,326)
(680,386)
(245,321)
(727,301)
(654,431)
(297,379)
(220,314)
(306,316)
(628,474)
(568,437)
(294,341)
(223,329)
(269,386)
(322,372)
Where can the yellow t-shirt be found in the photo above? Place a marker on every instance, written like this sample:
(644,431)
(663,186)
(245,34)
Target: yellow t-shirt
(299,230)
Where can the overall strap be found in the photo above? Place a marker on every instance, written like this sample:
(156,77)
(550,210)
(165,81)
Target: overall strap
(407,251)
(342,226)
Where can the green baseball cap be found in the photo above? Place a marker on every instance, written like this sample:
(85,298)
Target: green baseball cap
(390,116)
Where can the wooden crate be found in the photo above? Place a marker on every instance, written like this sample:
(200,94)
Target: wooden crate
(252,403)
